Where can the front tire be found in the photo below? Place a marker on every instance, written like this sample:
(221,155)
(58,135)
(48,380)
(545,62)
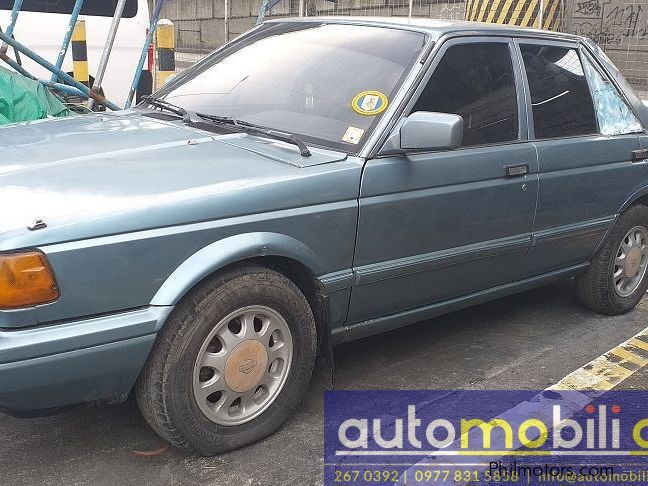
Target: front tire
(232,362)
(617,277)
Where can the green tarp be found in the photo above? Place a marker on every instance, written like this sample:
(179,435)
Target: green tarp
(23,99)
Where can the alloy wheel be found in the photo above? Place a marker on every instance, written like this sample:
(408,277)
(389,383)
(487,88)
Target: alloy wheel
(242,365)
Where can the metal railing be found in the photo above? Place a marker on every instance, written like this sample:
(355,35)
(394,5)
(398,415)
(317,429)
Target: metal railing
(60,80)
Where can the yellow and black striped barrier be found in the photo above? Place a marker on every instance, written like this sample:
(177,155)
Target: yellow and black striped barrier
(541,14)
(80,54)
(165,46)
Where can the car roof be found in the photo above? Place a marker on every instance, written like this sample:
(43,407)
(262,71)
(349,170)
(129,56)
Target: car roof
(437,27)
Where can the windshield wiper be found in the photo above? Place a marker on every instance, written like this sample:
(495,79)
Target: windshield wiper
(251,127)
(165,105)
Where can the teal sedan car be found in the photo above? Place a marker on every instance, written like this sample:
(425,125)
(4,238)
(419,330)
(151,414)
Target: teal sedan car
(313,182)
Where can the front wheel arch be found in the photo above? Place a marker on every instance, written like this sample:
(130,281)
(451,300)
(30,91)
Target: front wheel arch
(274,251)
(166,401)
(235,249)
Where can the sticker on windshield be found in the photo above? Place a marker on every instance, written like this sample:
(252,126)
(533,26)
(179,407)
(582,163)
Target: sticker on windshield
(353,135)
(370,103)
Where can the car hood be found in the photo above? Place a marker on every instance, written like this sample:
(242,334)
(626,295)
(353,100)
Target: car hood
(105,167)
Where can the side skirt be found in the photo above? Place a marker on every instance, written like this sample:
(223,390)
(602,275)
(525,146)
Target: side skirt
(382,324)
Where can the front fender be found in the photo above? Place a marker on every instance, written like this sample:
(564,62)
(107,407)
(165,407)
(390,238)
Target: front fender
(231,250)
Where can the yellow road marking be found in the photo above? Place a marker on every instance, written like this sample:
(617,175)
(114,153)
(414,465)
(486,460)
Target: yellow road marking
(599,375)
(638,343)
(629,356)
(604,373)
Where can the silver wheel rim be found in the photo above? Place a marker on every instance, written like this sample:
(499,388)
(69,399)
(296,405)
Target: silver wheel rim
(242,365)
(631,261)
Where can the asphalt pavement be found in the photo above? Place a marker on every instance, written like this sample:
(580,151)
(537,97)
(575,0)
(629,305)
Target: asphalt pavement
(528,341)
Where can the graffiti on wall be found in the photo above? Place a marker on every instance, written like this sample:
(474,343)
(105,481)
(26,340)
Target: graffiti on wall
(611,22)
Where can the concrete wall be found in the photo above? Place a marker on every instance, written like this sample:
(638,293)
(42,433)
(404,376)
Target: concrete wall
(200,25)
(620,26)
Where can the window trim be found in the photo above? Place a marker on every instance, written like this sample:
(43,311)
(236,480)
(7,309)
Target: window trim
(443,46)
(603,72)
(531,124)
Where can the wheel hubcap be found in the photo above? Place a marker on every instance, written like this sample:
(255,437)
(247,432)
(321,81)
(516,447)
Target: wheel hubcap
(246,365)
(242,365)
(631,261)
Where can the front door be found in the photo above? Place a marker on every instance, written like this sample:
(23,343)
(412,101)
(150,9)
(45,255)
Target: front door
(438,225)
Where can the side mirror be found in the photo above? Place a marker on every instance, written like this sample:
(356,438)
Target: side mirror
(426,130)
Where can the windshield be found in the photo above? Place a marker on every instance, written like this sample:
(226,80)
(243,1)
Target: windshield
(327,83)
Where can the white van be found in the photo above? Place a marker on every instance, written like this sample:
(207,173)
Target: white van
(42,24)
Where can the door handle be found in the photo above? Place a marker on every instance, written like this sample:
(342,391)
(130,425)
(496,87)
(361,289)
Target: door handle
(638,155)
(516,170)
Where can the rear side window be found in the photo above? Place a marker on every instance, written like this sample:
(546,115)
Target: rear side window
(560,97)
(99,8)
(475,81)
(613,114)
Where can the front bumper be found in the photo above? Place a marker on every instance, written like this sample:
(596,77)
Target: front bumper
(79,361)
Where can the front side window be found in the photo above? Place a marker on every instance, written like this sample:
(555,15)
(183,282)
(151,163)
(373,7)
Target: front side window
(560,97)
(475,81)
(613,114)
(327,83)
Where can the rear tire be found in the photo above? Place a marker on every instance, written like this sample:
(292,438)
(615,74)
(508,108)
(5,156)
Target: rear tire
(209,385)
(616,279)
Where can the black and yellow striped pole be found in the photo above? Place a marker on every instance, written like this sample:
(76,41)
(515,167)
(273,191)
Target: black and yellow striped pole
(165,46)
(80,54)
(541,14)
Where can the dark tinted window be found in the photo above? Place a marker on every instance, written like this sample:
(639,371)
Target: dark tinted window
(560,96)
(477,82)
(101,8)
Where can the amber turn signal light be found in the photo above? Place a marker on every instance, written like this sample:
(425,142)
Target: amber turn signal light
(26,279)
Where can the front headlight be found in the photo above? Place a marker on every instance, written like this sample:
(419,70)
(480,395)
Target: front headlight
(26,279)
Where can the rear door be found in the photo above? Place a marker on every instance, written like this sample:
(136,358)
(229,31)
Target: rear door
(434,225)
(586,137)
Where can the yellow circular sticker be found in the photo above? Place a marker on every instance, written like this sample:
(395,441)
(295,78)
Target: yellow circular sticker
(370,103)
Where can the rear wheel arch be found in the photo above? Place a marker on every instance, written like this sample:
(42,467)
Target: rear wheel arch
(638,197)
(596,286)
